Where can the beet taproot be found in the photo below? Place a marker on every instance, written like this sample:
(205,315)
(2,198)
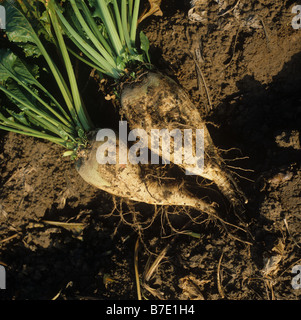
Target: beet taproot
(155,101)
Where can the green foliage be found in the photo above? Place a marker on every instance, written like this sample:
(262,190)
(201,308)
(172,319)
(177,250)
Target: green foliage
(105,33)
(35,110)
(26,34)
(24,90)
(144,45)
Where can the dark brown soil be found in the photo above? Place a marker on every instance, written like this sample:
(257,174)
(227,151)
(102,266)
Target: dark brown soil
(242,69)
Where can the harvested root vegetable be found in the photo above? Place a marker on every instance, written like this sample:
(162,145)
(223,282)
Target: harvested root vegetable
(66,123)
(142,183)
(152,101)
(155,101)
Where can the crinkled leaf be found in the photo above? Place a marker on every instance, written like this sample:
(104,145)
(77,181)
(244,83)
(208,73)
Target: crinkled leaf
(20,95)
(96,12)
(30,50)
(28,19)
(20,117)
(18,28)
(121,62)
(26,23)
(81,133)
(70,145)
(46,30)
(16,91)
(12,66)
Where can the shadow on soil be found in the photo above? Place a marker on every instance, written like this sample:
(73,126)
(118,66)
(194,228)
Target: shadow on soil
(251,120)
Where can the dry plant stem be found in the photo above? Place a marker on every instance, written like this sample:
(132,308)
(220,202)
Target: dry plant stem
(154,292)
(196,55)
(200,73)
(266,34)
(219,284)
(288,231)
(136,270)
(161,256)
(9,238)
(231,9)
(156,263)
(234,47)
